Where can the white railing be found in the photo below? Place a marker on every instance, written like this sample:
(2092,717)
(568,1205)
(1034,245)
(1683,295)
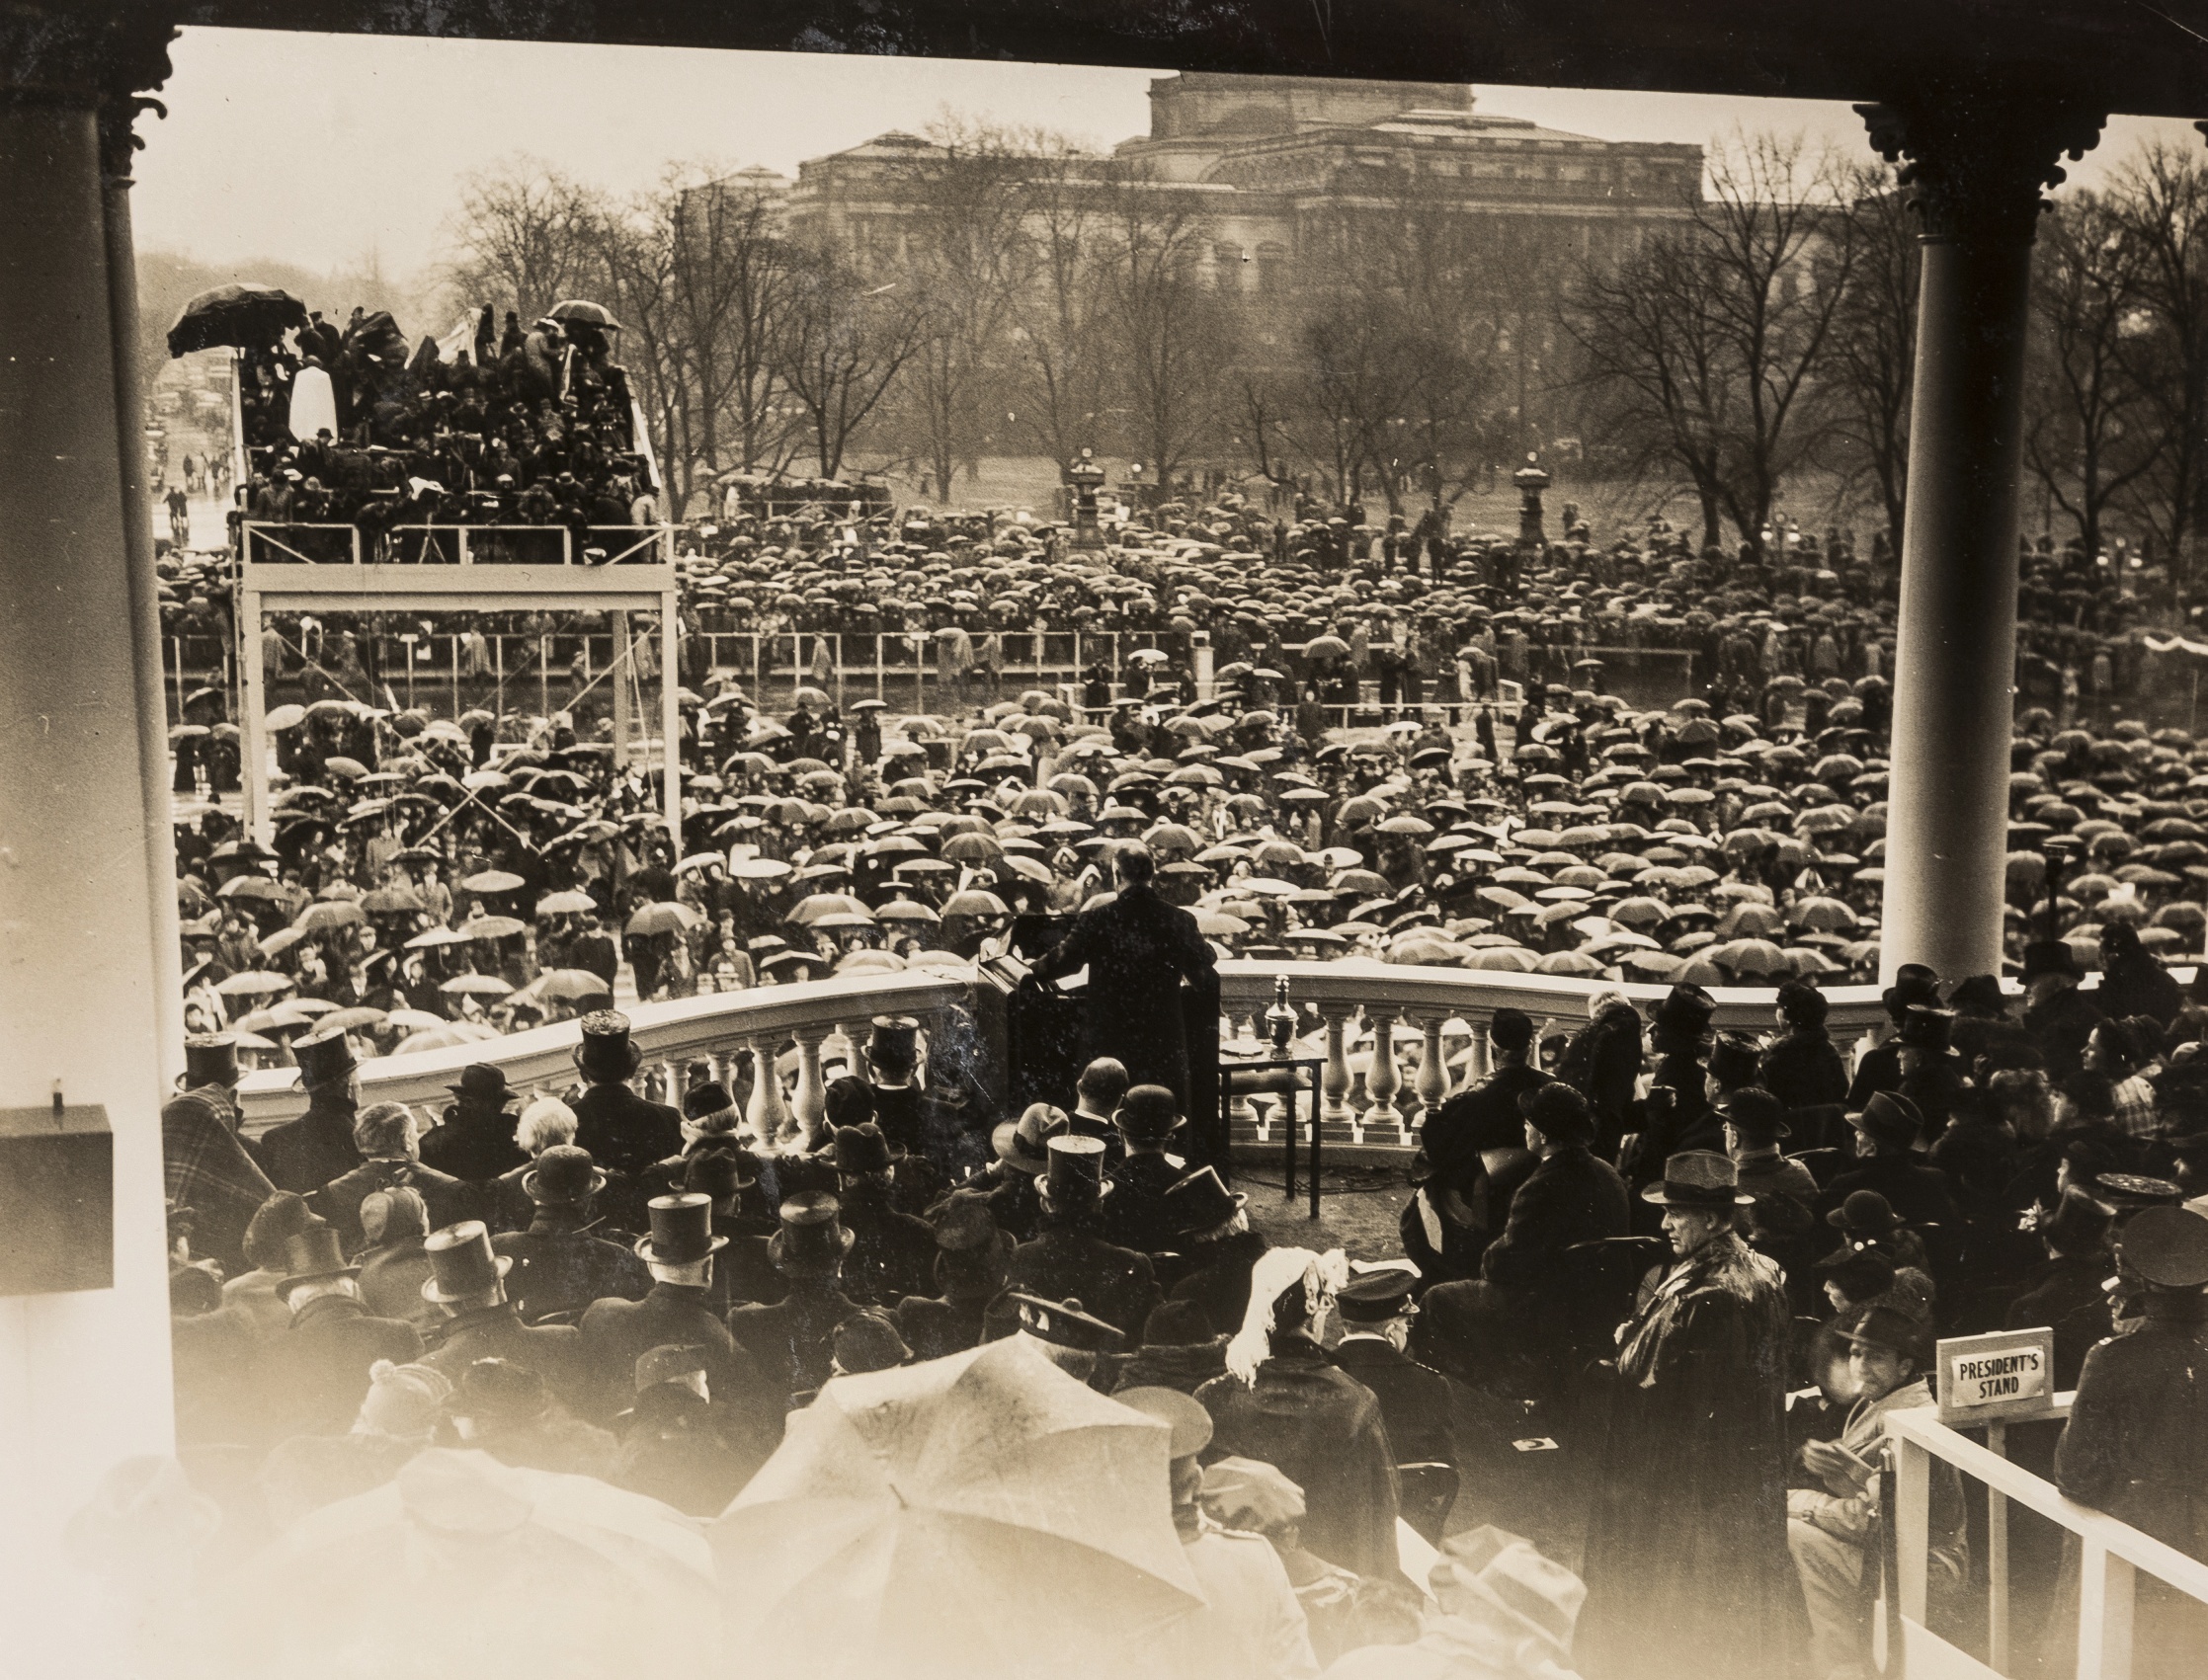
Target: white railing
(2113,1555)
(279,542)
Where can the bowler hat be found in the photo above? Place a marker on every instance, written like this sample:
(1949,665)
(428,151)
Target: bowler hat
(1201,1201)
(812,1237)
(499,1390)
(324,1061)
(1064,1323)
(682,1231)
(2049,956)
(893,1044)
(1148,1114)
(860,1148)
(1074,1178)
(1888,1118)
(1558,1112)
(484,1085)
(1178,1324)
(1190,1425)
(313,1253)
(2166,1246)
(210,1059)
(606,1055)
(669,1362)
(1913,983)
(1755,1113)
(1699,1178)
(1376,1296)
(462,1263)
(1925,1027)
(1865,1213)
(562,1175)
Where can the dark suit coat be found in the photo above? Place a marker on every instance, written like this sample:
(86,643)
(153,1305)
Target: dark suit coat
(1134,1213)
(1414,1400)
(472,1145)
(305,1153)
(553,1351)
(892,1255)
(796,1337)
(339,1201)
(2059,1029)
(1218,1279)
(1877,1069)
(616,1332)
(560,1269)
(2064,1294)
(1111,1283)
(624,1132)
(1572,1197)
(2137,1442)
(1323,1430)
(1917,1193)
(315,1374)
(1803,1070)
(391,1279)
(935,1325)
(1137,949)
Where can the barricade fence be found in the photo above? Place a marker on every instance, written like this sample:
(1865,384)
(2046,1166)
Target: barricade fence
(270,542)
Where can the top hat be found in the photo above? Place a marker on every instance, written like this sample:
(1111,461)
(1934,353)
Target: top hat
(606,1056)
(310,1253)
(2166,1246)
(562,1175)
(1891,1329)
(2050,956)
(1888,1118)
(1865,1213)
(1558,1112)
(1074,1176)
(1148,1114)
(1190,1422)
(682,1231)
(1686,1010)
(1755,1113)
(210,1059)
(964,1222)
(1374,1296)
(1979,991)
(324,1061)
(1201,1201)
(1733,1059)
(1490,1575)
(484,1085)
(1913,983)
(1925,1027)
(812,1237)
(1699,1178)
(1064,1323)
(893,1044)
(860,1148)
(462,1263)
(1019,1143)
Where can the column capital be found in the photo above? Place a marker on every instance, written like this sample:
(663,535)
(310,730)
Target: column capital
(96,57)
(1977,163)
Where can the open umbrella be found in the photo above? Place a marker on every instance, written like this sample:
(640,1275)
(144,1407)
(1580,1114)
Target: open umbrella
(566,903)
(902,1524)
(666,916)
(589,313)
(492,881)
(492,927)
(244,316)
(476,985)
(255,983)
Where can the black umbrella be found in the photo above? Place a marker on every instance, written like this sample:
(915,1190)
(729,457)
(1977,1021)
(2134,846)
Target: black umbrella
(587,312)
(245,317)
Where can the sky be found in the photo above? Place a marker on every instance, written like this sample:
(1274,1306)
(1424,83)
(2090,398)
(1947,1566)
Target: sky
(325,150)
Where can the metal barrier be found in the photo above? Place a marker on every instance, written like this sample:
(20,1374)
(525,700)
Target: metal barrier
(2112,1555)
(270,542)
(486,545)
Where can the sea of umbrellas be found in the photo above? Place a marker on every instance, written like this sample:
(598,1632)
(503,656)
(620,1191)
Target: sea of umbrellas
(431,900)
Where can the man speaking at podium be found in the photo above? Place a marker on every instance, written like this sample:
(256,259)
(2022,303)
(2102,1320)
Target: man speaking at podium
(1138,949)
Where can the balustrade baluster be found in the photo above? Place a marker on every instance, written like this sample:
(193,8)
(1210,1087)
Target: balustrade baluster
(1334,1079)
(812,1104)
(1432,1083)
(769,1115)
(1385,1078)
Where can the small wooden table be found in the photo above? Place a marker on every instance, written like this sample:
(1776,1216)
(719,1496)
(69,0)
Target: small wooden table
(1297,1069)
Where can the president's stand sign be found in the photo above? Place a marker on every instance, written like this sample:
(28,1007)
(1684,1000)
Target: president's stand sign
(1990,1378)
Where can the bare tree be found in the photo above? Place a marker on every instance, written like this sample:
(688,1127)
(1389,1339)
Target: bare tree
(1171,339)
(1061,360)
(1872,371)
(2160,202)
(841,346)
(2090,434)
(1705,347)
(524,235)
(732,284)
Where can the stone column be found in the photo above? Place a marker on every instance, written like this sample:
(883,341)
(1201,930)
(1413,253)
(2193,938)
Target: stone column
(89,971)
(1334,1077)
(1977,167)
(1385,1078)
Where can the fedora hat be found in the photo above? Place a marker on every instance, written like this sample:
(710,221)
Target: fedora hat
(1489,1576)
(720,1172)
(682,1231)
(606,1055)
(1733,1059)
(1201,1201)
(483,1084)
(1148,1114)
(564,1176)
(2050,956)
(964,1222)
(1074,1176)
(1925,1027)
(2166,1246)
(311,1253)
(1190,1425)
(1021,1143)
(1558,1112)
(858,1149)
(1755,1113)
(462,1263)
(324,1061)
(1888,1118)
(210,1059)
(1699,1178)
(1891,1329)
(812,1237)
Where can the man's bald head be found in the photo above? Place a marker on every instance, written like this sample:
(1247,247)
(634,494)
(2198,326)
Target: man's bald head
(1134,864)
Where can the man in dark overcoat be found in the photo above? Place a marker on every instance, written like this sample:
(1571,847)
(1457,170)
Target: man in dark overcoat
(559,1266)
(474,1142)
(467,1282)
(624,1132)
(1476,1158)
(316,1372)
(1070,1260)
(1218,1249)
(305,1153)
